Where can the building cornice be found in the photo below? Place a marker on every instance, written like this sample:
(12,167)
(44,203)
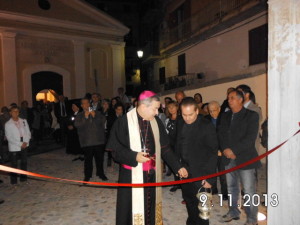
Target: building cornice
(37,20)
(59,36)
(95,14)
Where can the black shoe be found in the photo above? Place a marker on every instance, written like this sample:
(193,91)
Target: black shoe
(228,218)
(173,189)
(103,177)
(1,201)
(75,159)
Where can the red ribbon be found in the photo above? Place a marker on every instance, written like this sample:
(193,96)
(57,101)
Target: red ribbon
(13,170)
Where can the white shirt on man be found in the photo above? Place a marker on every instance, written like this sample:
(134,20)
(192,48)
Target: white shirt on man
(247,104)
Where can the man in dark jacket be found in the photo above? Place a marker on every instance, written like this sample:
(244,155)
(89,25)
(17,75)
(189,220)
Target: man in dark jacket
(118,112)
(214,117)
(62,111)
(26,113)
(90,126)
(96,102)
(237,135)
(197,146)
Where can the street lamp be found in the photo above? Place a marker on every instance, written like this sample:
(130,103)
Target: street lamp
(140,54)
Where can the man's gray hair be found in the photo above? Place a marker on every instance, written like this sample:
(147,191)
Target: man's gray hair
(149,100)
(214,103)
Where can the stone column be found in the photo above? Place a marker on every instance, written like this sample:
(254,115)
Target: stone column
(9,68)
(80,72)
(284,110)
(118,67)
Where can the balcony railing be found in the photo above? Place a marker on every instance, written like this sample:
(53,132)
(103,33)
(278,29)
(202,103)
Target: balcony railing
(216,12)
(177,82)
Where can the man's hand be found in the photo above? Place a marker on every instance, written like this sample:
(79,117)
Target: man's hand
(75,108)
(24,145)
(86,114)
(205,184)
(183,173)
(141,157)
(93,113)
(228,153)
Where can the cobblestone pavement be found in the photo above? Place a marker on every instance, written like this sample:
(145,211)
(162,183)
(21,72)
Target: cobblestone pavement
(57,203)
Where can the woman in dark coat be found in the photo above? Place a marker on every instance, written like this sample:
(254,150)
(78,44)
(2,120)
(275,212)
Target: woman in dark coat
(73,145)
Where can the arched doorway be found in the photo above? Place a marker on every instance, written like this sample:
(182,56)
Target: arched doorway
(27,73)
(46,80)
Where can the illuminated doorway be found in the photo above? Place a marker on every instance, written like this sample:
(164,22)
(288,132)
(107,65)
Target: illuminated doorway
(46,95)
(46,85)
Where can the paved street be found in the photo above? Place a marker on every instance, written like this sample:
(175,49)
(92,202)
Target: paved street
(57,203)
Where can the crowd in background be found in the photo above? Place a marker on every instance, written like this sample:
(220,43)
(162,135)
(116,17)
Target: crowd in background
(55,120)
(66,121)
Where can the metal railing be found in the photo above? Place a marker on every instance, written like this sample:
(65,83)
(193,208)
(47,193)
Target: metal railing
(213,14)
(177,82)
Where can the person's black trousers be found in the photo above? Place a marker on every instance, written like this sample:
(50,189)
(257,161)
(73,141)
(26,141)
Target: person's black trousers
(91,152)
(14,163)
(63,123)
(189,192)
(221,167)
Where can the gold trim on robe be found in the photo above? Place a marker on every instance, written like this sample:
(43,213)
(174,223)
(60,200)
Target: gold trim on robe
(138,216)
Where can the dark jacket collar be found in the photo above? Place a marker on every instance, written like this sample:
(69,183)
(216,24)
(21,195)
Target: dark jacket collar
(239,114)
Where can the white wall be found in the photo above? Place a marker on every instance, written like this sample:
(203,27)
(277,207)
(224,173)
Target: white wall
(284,108)
(223,55)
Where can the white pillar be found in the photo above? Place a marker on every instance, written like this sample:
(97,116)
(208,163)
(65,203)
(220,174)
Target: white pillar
(284,110)
(9,68)
(118,67)
(80,73)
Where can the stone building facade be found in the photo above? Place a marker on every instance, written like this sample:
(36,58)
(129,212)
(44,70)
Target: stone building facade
(66,46)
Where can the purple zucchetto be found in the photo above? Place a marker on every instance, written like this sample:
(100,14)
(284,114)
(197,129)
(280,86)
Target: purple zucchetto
(146,94)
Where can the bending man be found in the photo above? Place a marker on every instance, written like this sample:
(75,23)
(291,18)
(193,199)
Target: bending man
(138,140)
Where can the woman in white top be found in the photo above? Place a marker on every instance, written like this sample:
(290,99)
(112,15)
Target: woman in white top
(18,136)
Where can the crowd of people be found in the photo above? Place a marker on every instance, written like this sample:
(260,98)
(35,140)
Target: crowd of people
(203,138)
(192,137)
(80,125)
